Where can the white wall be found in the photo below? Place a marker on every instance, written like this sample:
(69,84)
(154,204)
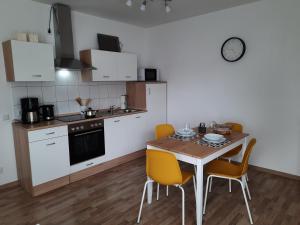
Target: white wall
(261,91)
(30,16)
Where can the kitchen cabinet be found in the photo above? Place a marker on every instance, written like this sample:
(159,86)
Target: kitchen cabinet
(152,97)
(125,134)
(28,61)
(42,158)
(49,159)
(111,66)
(126,66)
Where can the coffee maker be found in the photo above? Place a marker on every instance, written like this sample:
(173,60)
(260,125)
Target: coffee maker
(30,110)
(47,112)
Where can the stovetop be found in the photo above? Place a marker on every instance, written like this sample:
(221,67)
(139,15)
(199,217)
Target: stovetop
(80,117)
(72,118)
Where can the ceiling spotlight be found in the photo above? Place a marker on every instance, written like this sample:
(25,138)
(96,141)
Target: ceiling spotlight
(143,6)
(129,3)
(168,8)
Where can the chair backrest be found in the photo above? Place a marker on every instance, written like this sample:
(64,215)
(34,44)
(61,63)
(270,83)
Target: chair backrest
(164,130)
(245,162)
(163,167)
(235,126)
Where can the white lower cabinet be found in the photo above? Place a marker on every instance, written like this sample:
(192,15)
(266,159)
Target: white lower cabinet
(49,159)
(125,135)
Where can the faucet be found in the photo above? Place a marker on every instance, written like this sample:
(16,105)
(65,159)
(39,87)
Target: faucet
(111,109)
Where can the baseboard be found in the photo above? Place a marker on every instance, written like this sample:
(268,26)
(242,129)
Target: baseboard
(50,186)
(9,185)
(275,172)
(105,166)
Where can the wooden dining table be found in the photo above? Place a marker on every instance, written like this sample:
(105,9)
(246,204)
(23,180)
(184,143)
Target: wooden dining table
(190,151)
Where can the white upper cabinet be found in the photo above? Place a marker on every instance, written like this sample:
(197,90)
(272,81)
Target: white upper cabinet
(126,66)
(28,61)
(111,66)
(105,63)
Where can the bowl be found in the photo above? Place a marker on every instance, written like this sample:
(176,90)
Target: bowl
(213,137)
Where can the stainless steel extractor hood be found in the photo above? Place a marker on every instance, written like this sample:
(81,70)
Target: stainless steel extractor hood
(64,46)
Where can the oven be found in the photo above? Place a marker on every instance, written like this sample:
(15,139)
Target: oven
(86,141)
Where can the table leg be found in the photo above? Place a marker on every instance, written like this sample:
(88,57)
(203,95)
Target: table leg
(149,192)
(199,193)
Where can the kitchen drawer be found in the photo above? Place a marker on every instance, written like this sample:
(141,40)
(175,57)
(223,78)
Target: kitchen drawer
(44,134)
(49,159)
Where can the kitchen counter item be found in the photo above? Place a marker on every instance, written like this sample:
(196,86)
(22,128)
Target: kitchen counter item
(90,113)
(47,112)
(124,105)
(30,110)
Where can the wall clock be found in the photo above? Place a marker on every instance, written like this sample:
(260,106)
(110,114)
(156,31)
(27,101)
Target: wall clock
(233,49)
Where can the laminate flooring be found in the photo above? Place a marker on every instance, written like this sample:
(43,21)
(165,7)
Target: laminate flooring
(113,197)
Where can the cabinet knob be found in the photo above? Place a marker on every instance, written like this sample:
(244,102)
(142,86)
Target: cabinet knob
(117,121)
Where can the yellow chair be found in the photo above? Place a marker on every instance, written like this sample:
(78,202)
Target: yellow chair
(227,170)
(162,131)
(234,152)
(163,168)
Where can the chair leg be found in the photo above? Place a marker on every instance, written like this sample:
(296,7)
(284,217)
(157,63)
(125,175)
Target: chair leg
(142,201)
(229,160)
(183,207)
(167,191)
(246,201)
(246,185)
(208,182)
(195,188)
(157,192)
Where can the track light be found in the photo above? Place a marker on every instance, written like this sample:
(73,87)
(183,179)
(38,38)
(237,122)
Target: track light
(129,3)
(168,8)
(143,6)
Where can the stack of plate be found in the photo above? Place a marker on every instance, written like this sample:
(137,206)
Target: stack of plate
(214,138)
(185,132)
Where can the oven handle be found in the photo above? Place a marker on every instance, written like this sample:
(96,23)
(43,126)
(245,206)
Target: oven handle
(89,132)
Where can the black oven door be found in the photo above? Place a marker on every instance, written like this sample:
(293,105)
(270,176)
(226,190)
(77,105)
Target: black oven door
(86,145)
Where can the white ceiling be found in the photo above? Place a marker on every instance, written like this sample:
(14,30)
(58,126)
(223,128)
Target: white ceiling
(154,14)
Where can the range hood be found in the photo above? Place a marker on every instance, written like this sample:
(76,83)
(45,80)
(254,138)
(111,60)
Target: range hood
(63,35)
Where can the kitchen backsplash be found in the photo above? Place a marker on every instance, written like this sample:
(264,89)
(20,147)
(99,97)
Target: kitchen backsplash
(65,89)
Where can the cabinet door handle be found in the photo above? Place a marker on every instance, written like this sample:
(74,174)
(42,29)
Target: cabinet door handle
(50,133)
(149,91)
(117,121)
(106,76)
(89,164)
(37,75)
(53,143)
(137,117)
(128,76)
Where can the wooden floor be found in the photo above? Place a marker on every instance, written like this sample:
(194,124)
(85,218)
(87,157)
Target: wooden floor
(113,197)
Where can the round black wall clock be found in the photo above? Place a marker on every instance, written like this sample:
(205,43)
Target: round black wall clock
(233,49)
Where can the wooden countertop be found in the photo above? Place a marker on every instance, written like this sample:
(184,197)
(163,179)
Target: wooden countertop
(57,123)
(191,148)
(40,125)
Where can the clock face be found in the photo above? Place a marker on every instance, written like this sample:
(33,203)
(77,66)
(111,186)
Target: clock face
(233,49)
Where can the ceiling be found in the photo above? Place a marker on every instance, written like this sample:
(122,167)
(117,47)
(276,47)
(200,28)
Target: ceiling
(154,14)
